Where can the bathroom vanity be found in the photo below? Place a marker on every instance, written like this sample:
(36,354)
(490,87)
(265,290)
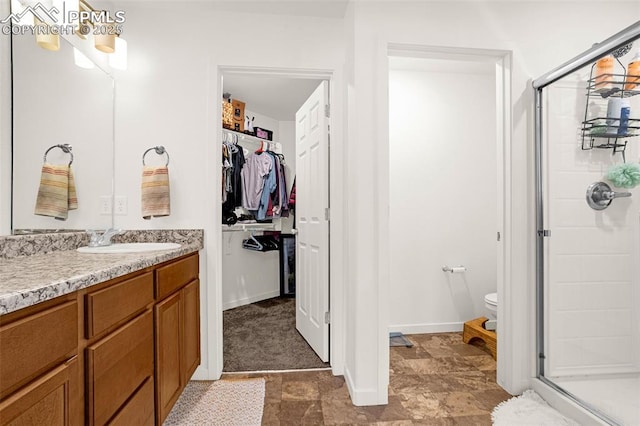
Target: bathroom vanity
(113,344)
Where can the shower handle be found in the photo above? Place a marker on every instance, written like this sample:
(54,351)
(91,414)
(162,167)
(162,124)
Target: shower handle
(610,195)
(600,195)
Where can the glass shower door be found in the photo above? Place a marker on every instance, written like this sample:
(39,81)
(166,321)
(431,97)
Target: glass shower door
(590,296)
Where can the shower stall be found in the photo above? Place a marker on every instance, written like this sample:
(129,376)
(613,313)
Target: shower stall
(588,225)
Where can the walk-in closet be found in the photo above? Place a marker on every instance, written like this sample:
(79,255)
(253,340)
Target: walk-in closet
(261,219)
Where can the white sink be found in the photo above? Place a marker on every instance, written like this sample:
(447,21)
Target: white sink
(129,248)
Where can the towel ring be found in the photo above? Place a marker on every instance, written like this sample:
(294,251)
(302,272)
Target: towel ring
(64,147)
(159,150)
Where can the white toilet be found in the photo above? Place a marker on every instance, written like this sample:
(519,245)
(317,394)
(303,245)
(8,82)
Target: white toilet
(491,303)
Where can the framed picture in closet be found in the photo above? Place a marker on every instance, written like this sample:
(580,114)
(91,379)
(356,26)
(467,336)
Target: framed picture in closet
(287,265)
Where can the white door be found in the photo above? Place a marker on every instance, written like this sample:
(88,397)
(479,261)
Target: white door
(312,200)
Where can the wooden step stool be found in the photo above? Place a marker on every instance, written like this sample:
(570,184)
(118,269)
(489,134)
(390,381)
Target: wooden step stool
(474,329)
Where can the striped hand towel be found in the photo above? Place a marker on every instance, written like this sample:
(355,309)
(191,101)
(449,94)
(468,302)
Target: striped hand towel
(57,192)
(155,192)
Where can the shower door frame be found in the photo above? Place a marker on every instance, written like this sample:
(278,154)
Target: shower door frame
(601,49)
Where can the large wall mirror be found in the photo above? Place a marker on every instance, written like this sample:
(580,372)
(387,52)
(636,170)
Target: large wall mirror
(56,102)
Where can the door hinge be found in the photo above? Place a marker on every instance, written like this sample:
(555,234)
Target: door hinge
(498,236)
(544,233)
(327,317)
(327,214)
(327,111)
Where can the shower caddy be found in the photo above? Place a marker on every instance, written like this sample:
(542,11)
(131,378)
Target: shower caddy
(595,131)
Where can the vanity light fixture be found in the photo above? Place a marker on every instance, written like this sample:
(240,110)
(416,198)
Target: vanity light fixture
(104,37)
(87,22)
(45,37)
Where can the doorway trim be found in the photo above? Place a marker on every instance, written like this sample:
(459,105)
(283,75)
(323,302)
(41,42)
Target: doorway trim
(508,359)
(212,320)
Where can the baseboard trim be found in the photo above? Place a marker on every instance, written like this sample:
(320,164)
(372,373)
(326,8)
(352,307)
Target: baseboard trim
(359,397)
(444,327)
(247,300)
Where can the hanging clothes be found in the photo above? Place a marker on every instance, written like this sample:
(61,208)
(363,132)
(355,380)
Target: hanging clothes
(234,181)
(292,197)
(254,174)
(270,186)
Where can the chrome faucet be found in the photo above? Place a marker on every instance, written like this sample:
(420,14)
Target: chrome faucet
(104,239)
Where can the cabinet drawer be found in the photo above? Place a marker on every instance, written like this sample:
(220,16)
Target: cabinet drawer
(36,343)
(47,401)
(139,410)
(176,275)
(117,365)
(114,304)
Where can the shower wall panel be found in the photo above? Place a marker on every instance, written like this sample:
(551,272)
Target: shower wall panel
(592,257)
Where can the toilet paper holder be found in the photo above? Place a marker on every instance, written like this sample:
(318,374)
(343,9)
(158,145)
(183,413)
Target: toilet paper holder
(454,269)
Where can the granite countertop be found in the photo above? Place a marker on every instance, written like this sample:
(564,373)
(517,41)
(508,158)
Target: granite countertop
(28,280)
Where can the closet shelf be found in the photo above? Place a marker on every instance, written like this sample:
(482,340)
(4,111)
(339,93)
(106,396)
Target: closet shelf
(243,137)
(252,226)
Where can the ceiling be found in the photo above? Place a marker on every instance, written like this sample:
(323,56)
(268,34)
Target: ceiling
(323,9)
(275,97)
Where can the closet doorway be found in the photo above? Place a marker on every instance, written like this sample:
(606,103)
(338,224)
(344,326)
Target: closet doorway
(275,244)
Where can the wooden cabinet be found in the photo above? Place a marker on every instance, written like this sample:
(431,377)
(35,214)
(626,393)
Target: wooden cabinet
(49,400)
(39,375)
(117,353)
(177,323)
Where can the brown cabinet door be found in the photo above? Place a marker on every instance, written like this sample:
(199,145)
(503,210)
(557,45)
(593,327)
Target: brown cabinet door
(190,329)
(168,353)
(47,401)
(116,367)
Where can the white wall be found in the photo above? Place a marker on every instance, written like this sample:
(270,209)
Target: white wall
(593,274)
(170,96)
(540,35)
(247,276)
(443,201)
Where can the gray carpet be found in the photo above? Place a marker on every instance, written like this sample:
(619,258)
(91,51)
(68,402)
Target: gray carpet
(263,336)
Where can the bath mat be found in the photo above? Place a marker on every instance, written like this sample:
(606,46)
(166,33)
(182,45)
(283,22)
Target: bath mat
(528,409)
(223,402)
(398,339)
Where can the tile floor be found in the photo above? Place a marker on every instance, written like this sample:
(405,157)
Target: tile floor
(440,381)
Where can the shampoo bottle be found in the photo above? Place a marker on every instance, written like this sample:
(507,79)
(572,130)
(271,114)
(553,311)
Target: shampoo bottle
(633,73)
(604,71)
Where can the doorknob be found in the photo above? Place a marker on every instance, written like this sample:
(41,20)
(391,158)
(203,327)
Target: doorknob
(600,195)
